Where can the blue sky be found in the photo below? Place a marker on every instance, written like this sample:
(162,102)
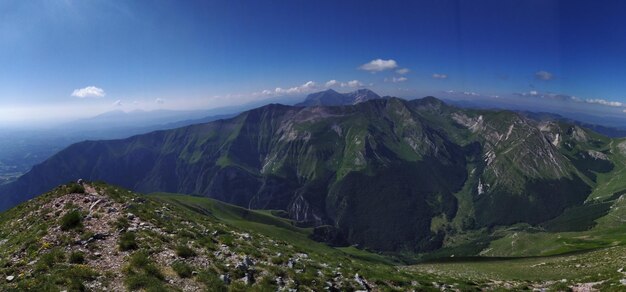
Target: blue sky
(65,59)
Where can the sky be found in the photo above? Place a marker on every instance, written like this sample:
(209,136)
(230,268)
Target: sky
(65,59)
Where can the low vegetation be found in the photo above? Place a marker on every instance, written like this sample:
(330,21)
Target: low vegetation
(173,242)
(128,241)
(71,220)
(182,269)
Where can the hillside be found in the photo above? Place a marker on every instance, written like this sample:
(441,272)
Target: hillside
(386,174)
(110,238)
(100,237)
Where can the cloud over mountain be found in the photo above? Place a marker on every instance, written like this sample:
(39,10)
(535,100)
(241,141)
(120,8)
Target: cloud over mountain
(89,91)
(378,65)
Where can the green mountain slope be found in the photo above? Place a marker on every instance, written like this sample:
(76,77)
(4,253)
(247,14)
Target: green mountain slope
(386,174)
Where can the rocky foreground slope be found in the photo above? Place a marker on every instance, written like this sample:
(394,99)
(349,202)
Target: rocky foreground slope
(104,238)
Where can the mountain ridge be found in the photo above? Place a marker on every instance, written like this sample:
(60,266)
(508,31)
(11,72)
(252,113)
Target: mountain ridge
(331,97)
(331,165)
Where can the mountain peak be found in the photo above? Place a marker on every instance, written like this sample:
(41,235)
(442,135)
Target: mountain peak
(429,101)
(330,97)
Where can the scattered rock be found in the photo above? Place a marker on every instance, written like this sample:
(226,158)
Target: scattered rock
(241,266)
(94,205)
(280,282)
(359,279)
(225,278)
(248,261)
(249,278)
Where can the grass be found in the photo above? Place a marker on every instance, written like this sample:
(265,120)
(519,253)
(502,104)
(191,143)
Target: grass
(71,220)
(142,273)
(210,279)
(586,267)
(74,188)
(200,226)
(182,269)
(184,251)
(128,241)
(77,257)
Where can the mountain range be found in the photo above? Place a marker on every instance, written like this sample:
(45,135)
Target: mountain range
(381,173)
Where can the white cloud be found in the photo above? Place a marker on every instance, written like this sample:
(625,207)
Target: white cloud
(403,71)
(470,93)
(440,76)
(309,84)
(89,91)
(266,92)
(352,83)
(571,98)
(159,101)
(379,65)
(396,79)
(117,103)
(604,102)
(544,75)
(306,87)
(332,83)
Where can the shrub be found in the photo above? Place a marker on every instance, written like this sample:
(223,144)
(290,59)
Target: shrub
(210,279)
(121,223)
(48,260)
(184,251)
(71,220)
(186,234)
(143,274)
(74,277)
(182,269)
(77,257)
(75,188)
(128,241)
